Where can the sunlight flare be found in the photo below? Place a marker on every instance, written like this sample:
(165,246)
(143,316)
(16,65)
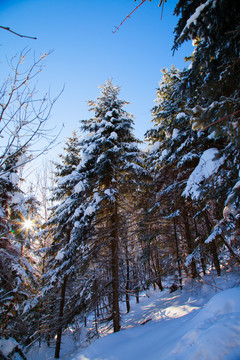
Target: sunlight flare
(28,224)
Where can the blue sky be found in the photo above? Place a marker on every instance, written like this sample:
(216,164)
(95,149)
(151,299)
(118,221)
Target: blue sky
(85,52)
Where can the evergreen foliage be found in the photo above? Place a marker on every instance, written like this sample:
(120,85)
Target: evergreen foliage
(124,220)
(212,83)
(93,188)
(17,273)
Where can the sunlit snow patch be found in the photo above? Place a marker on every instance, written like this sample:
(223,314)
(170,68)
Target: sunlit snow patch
(213,332)
(174,312)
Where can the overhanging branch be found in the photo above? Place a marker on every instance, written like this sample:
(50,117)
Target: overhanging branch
(15,33)
(161,3)
(128,16)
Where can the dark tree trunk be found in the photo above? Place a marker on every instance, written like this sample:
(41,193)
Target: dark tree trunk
(234,255)
(115,270)
(189,242)
(157,270)
(127,288)
(137,296)
(177,253)
(60,317)
(136,286)
(201,248)
(213,246)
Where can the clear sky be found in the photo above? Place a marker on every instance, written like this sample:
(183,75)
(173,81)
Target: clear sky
(86,52)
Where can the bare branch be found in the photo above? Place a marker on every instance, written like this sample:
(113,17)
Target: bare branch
(23,114)
(161,3)
(128,16)
(219,120)
(15,33)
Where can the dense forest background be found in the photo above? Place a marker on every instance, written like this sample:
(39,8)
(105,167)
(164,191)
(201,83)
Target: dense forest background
(114,219)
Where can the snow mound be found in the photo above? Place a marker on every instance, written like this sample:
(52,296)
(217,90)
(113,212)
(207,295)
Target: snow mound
(215,331)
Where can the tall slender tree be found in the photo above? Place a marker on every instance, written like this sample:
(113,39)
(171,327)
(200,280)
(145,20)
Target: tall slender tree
(112,161)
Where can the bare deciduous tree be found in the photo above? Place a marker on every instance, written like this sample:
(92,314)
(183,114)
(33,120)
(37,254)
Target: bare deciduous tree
(23,113)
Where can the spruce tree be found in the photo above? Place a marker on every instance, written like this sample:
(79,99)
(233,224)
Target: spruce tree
(87,223)
(111,160)
(177,150)
(212,88)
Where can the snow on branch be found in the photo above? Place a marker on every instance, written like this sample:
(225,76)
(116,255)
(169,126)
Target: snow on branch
(193,19)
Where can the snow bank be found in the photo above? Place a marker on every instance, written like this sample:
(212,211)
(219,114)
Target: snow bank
(214,332)
(177,332)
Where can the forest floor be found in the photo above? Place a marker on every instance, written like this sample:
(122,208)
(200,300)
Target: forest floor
(201,322)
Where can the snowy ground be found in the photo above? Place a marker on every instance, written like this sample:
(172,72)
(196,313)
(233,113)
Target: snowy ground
(200,323)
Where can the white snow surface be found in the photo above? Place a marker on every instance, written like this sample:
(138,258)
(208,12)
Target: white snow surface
(17,198)
(113,135)
(175,133)
(180,115)
(14,178)
(7,346)
(201,322)
(79,187)
(207,166)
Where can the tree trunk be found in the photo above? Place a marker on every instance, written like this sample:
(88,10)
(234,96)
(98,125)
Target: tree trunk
(157,269)
(177,253)
(189,241)
(234,255)
(201,248)
(127,288)
(136,285)
(213,246)
(60,317)
(115,270)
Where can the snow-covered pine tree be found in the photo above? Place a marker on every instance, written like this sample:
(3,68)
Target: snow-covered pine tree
(17,276)
(88,220)
(171,154)
(112,162)
(69,162)
(175,153)
(58,228)
(212,87)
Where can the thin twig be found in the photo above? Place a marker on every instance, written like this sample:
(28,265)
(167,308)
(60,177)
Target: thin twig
(128,16)
(15,33)
(161,3)
(223,118)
